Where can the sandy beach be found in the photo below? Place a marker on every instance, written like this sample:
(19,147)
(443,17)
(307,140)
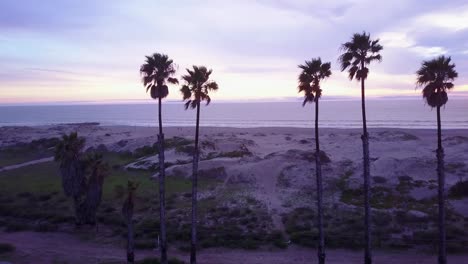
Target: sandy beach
(275,167)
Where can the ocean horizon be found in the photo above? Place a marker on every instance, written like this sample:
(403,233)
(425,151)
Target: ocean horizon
(391,113)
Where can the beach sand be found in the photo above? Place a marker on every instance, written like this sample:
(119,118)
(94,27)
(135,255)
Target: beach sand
(277,165)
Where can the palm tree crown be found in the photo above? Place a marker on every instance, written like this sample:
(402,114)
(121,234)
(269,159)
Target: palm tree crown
(436,76)
(358,53)
(197,87)
(313,72)
(156,71)
(69,148)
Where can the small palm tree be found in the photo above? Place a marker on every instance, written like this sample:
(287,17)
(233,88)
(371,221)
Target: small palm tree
(158,70)
(313,72)
(127,213)
(196,89)
(436,77)
(357,55)
(68,153)
(98,170)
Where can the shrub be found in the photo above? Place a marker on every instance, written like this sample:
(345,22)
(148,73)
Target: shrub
(187,149)
(149,261)
(178,141)
(6,248)
(45,227)
(145,244)
(379,179)
(305,238)
(16,226)
(459,190)
(310,156)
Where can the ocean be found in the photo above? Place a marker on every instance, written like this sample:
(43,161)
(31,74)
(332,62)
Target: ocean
(407,113)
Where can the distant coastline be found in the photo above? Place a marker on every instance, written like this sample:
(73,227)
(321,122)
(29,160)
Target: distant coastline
(333,114)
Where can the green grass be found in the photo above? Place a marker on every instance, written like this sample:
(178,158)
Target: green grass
(38,179)
(31,197)
(24,152)
(44,178)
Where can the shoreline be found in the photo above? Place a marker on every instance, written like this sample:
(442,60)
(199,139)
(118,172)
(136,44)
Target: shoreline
(98,124)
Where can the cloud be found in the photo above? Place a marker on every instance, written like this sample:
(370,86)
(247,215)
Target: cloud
(254,47)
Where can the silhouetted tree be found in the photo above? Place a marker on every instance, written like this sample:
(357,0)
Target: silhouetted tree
(82,177)
(436,77)
(158,70)
(68,153)
(313,72)
(127,213)
(357,55)
(196,89)
(97,169)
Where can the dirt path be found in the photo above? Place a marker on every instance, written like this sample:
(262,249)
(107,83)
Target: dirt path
(46,248)
(32,162)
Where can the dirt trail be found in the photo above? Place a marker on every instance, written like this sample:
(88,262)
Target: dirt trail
(46,248)
(32,162)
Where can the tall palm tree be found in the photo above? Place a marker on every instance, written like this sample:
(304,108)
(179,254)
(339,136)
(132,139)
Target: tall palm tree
(436,77)
(69,153)
(313,72)
(158,70)
(196,89)
(357,55)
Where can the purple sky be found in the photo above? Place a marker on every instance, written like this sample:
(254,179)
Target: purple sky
(68,50)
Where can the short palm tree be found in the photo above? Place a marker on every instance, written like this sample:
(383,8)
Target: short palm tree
(156,72)
(69,153)
(127,213)
(312,73)
(357,55)
(195,90)
(436,77)
(98,169)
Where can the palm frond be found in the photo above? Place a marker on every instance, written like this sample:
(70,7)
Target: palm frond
(156,71)
(197,86)
(360,51)
(436,77)
(312,73)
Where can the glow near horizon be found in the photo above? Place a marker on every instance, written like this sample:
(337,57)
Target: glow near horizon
(64,51)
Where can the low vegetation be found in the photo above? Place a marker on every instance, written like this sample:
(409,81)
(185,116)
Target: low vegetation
(6,248)
(24,152)
(459,190)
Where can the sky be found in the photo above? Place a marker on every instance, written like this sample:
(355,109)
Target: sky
(89,50)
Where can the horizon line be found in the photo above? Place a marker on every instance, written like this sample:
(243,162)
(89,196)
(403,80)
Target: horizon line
(246,100)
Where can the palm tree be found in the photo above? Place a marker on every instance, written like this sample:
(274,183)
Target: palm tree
(127,213)
(357,55)
(98,170)
(436,77)
(68,153)
(158,70)
(196,89)
(313,72)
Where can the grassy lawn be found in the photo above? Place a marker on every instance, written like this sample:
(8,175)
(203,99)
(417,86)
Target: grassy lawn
(24,152)
(11,157)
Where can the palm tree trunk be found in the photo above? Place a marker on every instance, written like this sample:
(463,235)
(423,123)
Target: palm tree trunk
(130,242)
(318,165)
(162,191)
(367,194)
(193,249)
(441,193)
